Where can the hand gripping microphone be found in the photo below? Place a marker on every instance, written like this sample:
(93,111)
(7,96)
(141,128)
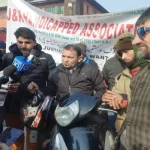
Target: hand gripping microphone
(4,80)
(7,72)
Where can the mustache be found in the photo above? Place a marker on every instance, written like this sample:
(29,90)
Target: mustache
(144,43)
(24,49)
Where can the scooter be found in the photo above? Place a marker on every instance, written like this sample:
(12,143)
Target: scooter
(80,124)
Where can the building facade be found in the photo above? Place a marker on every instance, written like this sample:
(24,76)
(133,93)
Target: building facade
(60,7)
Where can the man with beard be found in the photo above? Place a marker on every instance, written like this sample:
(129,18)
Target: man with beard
(137,122)
(121,91)
(26,41)
(136,127)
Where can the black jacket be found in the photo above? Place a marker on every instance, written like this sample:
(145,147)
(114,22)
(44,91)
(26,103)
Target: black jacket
(85,79)
(111,69)
(38,74)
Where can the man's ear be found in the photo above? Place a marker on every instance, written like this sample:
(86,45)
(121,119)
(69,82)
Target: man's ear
(35,44)
(80,58)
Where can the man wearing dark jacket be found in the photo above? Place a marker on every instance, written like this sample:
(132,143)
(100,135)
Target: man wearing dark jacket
(72,75)
(85,58)
(2,52)
(111,69)
(26,41)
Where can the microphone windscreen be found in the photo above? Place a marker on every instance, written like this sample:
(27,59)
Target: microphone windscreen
(9,70)
(15,76)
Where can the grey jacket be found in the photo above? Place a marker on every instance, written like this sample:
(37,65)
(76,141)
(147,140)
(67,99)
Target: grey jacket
(85,79)
(112,68)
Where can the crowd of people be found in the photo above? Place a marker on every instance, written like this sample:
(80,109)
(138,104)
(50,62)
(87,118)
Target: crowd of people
(123,84)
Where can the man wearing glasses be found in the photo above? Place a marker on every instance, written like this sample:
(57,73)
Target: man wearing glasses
(136,127)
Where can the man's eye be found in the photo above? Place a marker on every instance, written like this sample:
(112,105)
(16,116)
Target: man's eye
(20,42)
(27,42)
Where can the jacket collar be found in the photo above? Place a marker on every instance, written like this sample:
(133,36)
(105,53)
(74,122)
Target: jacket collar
(63,69)
(134,71)
(15,50)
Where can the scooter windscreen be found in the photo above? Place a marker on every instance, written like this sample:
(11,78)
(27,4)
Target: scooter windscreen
(76,105)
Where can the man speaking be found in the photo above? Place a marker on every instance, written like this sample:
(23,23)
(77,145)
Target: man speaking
(26,42)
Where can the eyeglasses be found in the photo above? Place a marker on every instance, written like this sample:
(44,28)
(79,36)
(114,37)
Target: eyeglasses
(142,31)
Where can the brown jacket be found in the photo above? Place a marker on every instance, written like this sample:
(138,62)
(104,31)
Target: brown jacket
(122,86)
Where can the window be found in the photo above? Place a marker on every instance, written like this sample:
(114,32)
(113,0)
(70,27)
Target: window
(60,9)
(94,12)
(50,9)
(87,9)
(3,16)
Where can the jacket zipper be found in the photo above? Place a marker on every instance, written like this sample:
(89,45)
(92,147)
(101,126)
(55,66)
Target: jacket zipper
(69,89)
(70,81)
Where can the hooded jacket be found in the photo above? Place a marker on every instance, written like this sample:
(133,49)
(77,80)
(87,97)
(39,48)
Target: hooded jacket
(84,79)
(38,74)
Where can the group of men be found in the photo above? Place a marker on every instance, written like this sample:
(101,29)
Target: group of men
(76,73)
(127,91)
(131,84)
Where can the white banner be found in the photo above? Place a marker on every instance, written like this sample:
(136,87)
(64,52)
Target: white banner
(54,32)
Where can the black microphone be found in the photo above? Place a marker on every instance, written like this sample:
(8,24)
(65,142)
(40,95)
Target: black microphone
(7,72)
(25,54)
(32,58)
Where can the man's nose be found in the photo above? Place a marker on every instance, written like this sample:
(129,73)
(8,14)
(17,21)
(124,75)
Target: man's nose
(23,45)
(136,40)
(123,56)
(65,59)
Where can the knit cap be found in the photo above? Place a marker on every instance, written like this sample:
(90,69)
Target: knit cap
(124,42)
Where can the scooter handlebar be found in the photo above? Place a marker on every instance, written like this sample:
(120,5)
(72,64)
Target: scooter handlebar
(106,107)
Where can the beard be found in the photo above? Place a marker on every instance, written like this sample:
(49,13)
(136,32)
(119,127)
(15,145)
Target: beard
(24,50)
(144,54)
(129,64)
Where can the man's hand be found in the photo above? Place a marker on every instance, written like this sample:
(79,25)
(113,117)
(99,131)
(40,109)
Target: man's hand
(32,87)
(109,95)
(116,103)
(113,99)
(13,87)
(4,147)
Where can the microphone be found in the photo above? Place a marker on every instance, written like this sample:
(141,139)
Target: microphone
(7,72)
(32,57)
(23,63)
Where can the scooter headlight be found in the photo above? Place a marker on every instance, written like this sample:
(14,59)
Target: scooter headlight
(65,115)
